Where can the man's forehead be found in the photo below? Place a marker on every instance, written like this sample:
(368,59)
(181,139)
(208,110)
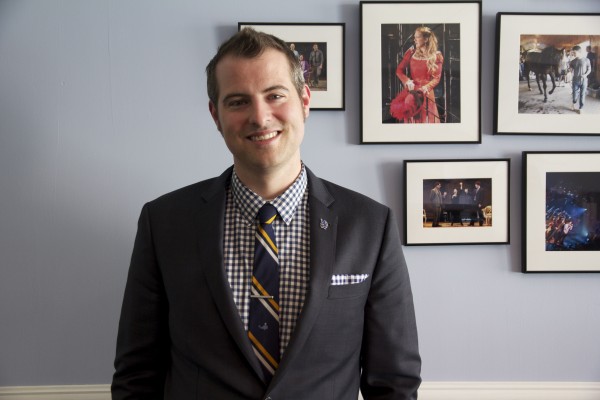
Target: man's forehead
(234,66)
(271,60)
(266,54)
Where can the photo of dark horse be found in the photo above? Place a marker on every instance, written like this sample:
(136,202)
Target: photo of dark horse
(543,64)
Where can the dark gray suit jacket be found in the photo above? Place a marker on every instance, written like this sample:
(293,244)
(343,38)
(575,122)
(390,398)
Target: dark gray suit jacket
(181,336)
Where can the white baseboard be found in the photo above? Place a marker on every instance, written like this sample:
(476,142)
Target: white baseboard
(68,392)
(510,391)
(428,391)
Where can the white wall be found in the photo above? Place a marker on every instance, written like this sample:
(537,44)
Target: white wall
(103,107)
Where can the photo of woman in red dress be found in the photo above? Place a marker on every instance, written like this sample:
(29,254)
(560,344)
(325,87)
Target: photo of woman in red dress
(420,72)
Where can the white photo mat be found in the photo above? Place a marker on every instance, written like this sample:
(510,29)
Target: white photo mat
(509,120)
(535,257)
(416,171)
(373,16)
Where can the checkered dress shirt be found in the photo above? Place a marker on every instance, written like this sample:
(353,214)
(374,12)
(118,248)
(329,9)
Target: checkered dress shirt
(293,240)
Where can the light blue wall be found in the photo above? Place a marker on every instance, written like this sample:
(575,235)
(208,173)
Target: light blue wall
(103,107)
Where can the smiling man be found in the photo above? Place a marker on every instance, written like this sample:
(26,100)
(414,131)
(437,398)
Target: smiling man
(260,113)
(266,282)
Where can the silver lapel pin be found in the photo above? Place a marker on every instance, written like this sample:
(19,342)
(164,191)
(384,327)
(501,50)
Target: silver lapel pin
(324,224)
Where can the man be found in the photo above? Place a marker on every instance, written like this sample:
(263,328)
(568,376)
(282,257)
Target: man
(316,60)
(478,201)
(593,61)
(581,69)
(343,311)
(293,49)
(454,208)
(436,200)
(465,199)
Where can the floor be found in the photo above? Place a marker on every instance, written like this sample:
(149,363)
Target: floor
(559,102)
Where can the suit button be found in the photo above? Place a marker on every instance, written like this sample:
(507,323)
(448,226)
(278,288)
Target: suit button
(268,398)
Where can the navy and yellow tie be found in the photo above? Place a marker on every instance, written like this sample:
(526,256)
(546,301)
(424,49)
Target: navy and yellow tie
(263,320)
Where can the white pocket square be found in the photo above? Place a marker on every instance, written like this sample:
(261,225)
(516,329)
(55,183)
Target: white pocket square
(348,279)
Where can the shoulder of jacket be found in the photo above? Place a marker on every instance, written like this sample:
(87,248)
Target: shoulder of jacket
(353,200)
(196,191)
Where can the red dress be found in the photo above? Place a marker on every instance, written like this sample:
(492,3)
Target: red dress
(412,106)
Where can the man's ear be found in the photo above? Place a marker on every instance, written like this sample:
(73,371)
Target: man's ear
(305,98)
(214,114)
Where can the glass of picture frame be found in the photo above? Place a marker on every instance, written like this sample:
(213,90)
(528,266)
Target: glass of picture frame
(456,201)
(420,72)
(561,211)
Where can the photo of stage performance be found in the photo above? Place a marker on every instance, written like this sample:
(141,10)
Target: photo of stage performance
(572,211)
(457,203)
(420,73)
(312,57)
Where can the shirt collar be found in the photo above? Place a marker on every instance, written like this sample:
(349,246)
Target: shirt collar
(248,203)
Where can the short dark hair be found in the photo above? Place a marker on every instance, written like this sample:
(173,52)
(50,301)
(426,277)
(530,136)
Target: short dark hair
(250,43)
(576,48)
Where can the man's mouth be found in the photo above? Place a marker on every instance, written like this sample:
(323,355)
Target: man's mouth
(266,136)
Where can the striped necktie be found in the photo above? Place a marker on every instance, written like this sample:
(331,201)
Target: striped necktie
(263,320)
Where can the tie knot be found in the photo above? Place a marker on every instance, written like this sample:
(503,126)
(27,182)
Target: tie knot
(267,213)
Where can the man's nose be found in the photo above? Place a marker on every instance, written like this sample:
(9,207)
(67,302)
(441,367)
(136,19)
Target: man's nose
(260,113)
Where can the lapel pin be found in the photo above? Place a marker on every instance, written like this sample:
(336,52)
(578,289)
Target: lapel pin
(324,224)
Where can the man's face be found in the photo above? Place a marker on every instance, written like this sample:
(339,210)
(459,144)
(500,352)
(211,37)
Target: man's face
(259,112)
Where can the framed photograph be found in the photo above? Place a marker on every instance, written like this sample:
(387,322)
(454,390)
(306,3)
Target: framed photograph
(547,79)
(561,211)
(420,72)
(319,48)
(456,201)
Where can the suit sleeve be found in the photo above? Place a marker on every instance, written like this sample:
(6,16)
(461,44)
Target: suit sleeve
(142,342)
(390,361)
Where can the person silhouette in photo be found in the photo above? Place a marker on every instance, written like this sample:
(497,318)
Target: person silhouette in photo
(316,60)
(478,199)
(581,69)
(436,200)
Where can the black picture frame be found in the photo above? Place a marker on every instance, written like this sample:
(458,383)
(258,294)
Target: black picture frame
(531,45)
(561,211)
(328,93)
(388,107)
(464,215)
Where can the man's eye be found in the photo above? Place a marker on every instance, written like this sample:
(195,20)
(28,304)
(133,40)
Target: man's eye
(235,103)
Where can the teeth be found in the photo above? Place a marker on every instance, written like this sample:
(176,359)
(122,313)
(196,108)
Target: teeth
(263,137)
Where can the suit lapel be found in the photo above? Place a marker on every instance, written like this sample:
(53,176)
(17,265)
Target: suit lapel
(211,252)
(323,233)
